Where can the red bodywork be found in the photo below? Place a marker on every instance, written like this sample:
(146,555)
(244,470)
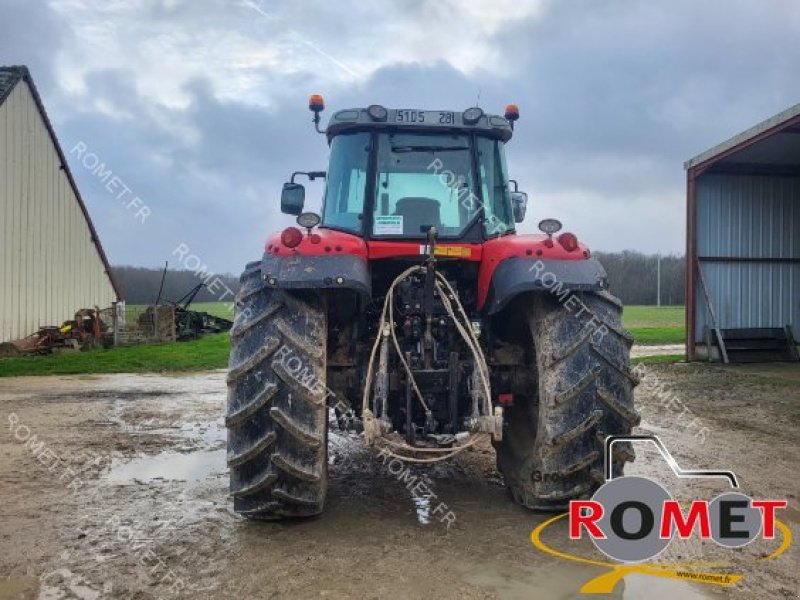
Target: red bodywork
(490,254)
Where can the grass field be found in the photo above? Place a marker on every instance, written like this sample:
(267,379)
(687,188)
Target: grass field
(659,359)
(650,325)
(652,322)
(653,316)
(209,352)
(218,309)
(654,325)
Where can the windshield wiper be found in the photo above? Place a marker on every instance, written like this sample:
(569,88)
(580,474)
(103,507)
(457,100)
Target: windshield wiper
(400,149)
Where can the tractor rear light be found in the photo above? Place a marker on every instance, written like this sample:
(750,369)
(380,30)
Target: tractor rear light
(505,399)
(569,241)
(291,237)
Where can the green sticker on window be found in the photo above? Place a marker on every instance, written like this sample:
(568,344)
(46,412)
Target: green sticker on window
(388,225)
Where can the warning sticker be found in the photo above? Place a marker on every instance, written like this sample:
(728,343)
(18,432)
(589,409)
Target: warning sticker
(388,225)
(459,251)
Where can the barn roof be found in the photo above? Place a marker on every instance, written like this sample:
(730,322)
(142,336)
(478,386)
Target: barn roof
(773,141)
(9,77)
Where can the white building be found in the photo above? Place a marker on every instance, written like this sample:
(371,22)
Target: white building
(51,260)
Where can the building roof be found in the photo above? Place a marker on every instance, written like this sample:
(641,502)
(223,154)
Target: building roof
(781,128)
(9,77)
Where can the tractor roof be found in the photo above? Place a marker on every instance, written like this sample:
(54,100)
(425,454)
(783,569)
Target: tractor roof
(376,117)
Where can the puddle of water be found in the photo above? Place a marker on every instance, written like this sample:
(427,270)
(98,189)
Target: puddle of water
(168,466)
(557,581)
(209,432)
(641,587)
(212,434)
(63,583)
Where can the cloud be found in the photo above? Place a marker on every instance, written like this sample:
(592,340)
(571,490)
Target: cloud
(201,107)
(30,34)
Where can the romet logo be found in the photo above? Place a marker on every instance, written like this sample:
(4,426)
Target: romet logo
(634,519)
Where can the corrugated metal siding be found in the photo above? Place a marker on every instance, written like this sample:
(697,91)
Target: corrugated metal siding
(757,217)
(49,266)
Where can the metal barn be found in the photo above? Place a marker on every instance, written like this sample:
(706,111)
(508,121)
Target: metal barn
(743,245)
(51,260)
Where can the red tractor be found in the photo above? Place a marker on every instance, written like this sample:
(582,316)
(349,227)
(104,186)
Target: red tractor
(413,308)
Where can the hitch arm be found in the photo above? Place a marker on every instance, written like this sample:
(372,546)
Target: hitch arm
(430,282)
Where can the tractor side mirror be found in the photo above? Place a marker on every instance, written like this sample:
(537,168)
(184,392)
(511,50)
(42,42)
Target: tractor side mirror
(293,196)
(519,204)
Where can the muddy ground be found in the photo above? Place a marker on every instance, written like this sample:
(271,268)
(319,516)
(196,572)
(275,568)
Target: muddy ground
(640,350)
(115,487)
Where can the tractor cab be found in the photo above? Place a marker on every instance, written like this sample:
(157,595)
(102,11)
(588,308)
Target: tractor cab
(394,174)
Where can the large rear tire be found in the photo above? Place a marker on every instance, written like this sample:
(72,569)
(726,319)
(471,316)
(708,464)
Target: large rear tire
(552,448)
(277,415)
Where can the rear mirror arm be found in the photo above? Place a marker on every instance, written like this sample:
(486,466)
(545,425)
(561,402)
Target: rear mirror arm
(312,175)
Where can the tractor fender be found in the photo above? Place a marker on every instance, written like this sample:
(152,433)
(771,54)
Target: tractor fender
(343,271)
(517,275)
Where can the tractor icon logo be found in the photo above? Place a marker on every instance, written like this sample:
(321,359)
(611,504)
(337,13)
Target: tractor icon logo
(633,519)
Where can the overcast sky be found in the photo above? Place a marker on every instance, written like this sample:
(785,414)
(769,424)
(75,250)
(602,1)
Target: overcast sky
(200,108)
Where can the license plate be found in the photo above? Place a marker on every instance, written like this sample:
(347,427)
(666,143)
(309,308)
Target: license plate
(405,115)
(428,117)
